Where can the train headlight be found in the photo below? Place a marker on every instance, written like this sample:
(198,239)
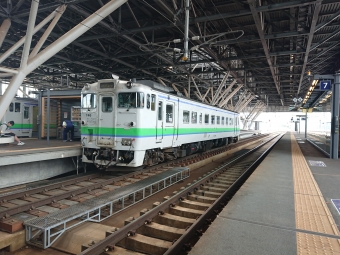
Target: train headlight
(129,84)
(126,142)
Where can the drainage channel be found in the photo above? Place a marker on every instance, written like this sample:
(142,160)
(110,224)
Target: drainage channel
(171,225)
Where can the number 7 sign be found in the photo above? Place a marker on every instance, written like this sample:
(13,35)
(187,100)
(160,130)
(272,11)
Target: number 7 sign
(325,85)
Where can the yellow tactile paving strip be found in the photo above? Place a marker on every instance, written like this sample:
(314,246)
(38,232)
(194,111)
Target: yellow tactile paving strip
(311,211)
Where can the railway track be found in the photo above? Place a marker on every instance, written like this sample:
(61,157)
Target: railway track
(173,225)
(41,201)
(65,193)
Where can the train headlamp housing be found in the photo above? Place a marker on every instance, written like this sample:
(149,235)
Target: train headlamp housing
(129,84)
(127,142)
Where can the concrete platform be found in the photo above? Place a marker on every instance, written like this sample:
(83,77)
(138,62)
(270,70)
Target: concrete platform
(275,213)
(36,160)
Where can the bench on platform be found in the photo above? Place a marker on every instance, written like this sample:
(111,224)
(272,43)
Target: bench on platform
(6,139)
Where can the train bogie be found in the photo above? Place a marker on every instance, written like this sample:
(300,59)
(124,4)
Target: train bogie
(143,123)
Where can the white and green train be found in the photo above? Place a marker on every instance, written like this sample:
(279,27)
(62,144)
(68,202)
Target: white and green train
(143,123)
(20,111)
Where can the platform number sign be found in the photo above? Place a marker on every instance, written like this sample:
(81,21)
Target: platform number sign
(325,85)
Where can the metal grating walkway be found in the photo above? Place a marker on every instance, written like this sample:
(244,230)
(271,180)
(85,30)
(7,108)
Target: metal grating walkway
(312,213)
(43,231)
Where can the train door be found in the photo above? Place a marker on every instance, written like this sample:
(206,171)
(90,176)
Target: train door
(17,117)
(106,123)
(169,128)
(27,120)
(34,121)
(235,125)
(159,127)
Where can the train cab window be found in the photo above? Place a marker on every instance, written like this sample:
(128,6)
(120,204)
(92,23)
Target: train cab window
(218,120)
(107,104)
(26,112)
(10,107)
(148,101)
(131,100)
(89,101)
(186,117)
(194,117)
(160,110)
(201,117)
(212,119)
(153,102)
(206,118)
(169,113)
(17,107)
(222,121)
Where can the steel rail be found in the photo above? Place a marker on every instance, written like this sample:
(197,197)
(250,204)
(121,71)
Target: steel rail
(68,194)
(52,199)
(109,242)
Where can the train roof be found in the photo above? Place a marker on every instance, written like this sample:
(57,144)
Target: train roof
(23,99)
(170,91)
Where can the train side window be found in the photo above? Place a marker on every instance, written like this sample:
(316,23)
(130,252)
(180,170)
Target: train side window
(17,107)
(194,117)
(26,112)
(186,117)
(212,119)
(169,113)
(222,121)
(201,117)
(218,120)
(160,110)
(206,118)
(153,102)
(148,101)
(230,121)
(107,104)
(140,100)
(11,107)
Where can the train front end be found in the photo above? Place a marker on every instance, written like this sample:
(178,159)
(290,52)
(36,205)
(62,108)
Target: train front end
(98,123)
(109,124)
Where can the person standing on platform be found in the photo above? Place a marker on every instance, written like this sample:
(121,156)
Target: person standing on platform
(6,131)
(68,126)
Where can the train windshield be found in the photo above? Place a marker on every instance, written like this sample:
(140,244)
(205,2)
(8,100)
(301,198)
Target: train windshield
(89,101)
(131,100)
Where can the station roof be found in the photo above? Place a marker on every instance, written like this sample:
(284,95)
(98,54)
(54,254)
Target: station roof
(262,49)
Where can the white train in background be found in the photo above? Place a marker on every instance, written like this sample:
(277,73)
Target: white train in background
(21,112)
(140,123)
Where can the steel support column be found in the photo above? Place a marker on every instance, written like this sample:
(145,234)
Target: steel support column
(252,5)
(22,40)
(59,11)
(4,29)
(309,42)
(54,48)
(225,101)
(334,150)
(246,103)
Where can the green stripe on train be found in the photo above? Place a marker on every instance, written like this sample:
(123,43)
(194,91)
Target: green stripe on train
(22,125)
(149,131)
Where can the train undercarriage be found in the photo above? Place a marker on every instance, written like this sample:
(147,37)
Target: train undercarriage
(105,157)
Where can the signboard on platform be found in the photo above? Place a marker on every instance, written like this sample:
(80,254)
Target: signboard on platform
(325,85)
(336,203)
(317,163)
